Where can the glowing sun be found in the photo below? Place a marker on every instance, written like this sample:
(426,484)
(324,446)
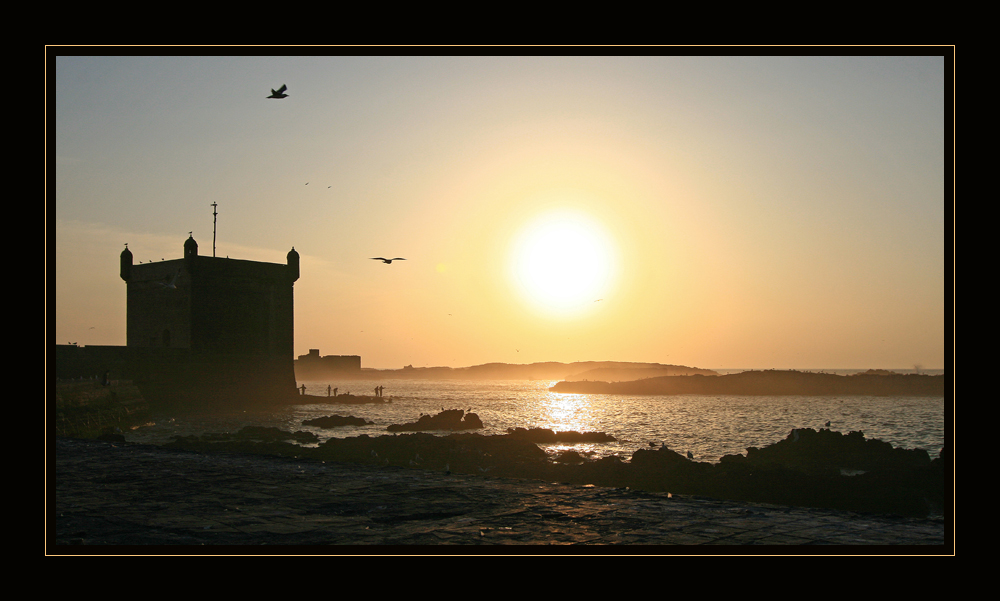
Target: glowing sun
(562,262)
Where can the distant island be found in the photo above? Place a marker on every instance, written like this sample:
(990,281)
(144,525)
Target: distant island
(582,370)
(769,382)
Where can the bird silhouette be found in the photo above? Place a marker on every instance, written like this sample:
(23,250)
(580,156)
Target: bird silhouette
(388,261)
(280,93)
(172,283)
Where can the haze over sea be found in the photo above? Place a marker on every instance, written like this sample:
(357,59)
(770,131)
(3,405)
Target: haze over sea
(709,426)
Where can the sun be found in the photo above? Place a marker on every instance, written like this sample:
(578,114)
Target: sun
(562,262)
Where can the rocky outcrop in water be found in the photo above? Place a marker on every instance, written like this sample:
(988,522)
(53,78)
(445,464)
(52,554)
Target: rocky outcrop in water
(807,468)
(449,419)
(251,435)
(547,436)
(336,421)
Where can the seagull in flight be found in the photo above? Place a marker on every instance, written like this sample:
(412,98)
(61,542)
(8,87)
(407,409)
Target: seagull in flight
(279,93)
(388,261)
(173,281)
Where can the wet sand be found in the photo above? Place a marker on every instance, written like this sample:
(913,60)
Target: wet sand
(115,498)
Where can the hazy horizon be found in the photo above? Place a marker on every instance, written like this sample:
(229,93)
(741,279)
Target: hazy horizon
(777,212)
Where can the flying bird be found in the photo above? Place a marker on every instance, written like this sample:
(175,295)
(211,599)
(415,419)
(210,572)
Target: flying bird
(388,261)
(172,283)
(280,93)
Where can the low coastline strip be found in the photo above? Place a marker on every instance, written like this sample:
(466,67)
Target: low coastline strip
(769,383)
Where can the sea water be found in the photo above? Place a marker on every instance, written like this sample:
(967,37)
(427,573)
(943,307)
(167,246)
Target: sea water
(709,426)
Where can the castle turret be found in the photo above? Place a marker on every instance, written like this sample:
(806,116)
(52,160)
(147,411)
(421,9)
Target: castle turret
(126,264)
(190,252)
(293,263)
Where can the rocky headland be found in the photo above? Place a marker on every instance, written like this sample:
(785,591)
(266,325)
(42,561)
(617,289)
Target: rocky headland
(769,382)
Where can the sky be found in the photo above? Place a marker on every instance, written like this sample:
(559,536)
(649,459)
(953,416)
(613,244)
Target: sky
(784,212)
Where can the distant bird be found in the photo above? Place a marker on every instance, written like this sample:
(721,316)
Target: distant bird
(387,261)
(827,424)
(173,281)
(690,455)
(280,93)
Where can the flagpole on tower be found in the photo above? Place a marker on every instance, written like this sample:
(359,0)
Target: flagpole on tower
(214,213)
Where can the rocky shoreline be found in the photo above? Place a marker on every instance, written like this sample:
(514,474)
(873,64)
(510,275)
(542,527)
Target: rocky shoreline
(809,468)
(125,498)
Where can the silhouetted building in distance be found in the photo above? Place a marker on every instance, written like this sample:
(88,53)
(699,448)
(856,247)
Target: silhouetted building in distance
(208,330)
(314,367)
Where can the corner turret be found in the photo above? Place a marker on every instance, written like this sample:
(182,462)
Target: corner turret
(190,252)
(126,264)
(293,263)
(190,247)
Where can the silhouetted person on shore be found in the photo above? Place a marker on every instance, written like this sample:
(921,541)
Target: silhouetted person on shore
(303,389)
(380,389)
(335,392)
(328,390)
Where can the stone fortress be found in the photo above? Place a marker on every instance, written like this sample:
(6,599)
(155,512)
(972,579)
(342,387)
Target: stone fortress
(201,331)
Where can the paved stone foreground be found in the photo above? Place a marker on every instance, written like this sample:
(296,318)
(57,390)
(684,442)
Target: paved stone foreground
(144,496)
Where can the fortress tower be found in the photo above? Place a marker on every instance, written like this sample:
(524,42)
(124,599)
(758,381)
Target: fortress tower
(206,330)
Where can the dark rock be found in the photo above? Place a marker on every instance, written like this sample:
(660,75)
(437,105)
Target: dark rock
(547,436)
(803,470)
(450,419)
(112,437)
(335,421)
(815,451)
(569,457)
(272,434)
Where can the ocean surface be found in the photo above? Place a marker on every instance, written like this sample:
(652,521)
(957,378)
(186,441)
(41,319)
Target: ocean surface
(709,426)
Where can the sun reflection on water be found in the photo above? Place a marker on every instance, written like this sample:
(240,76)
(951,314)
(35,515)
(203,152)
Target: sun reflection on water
(567,412)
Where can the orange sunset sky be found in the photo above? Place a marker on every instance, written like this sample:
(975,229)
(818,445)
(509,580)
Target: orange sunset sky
(710,211)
